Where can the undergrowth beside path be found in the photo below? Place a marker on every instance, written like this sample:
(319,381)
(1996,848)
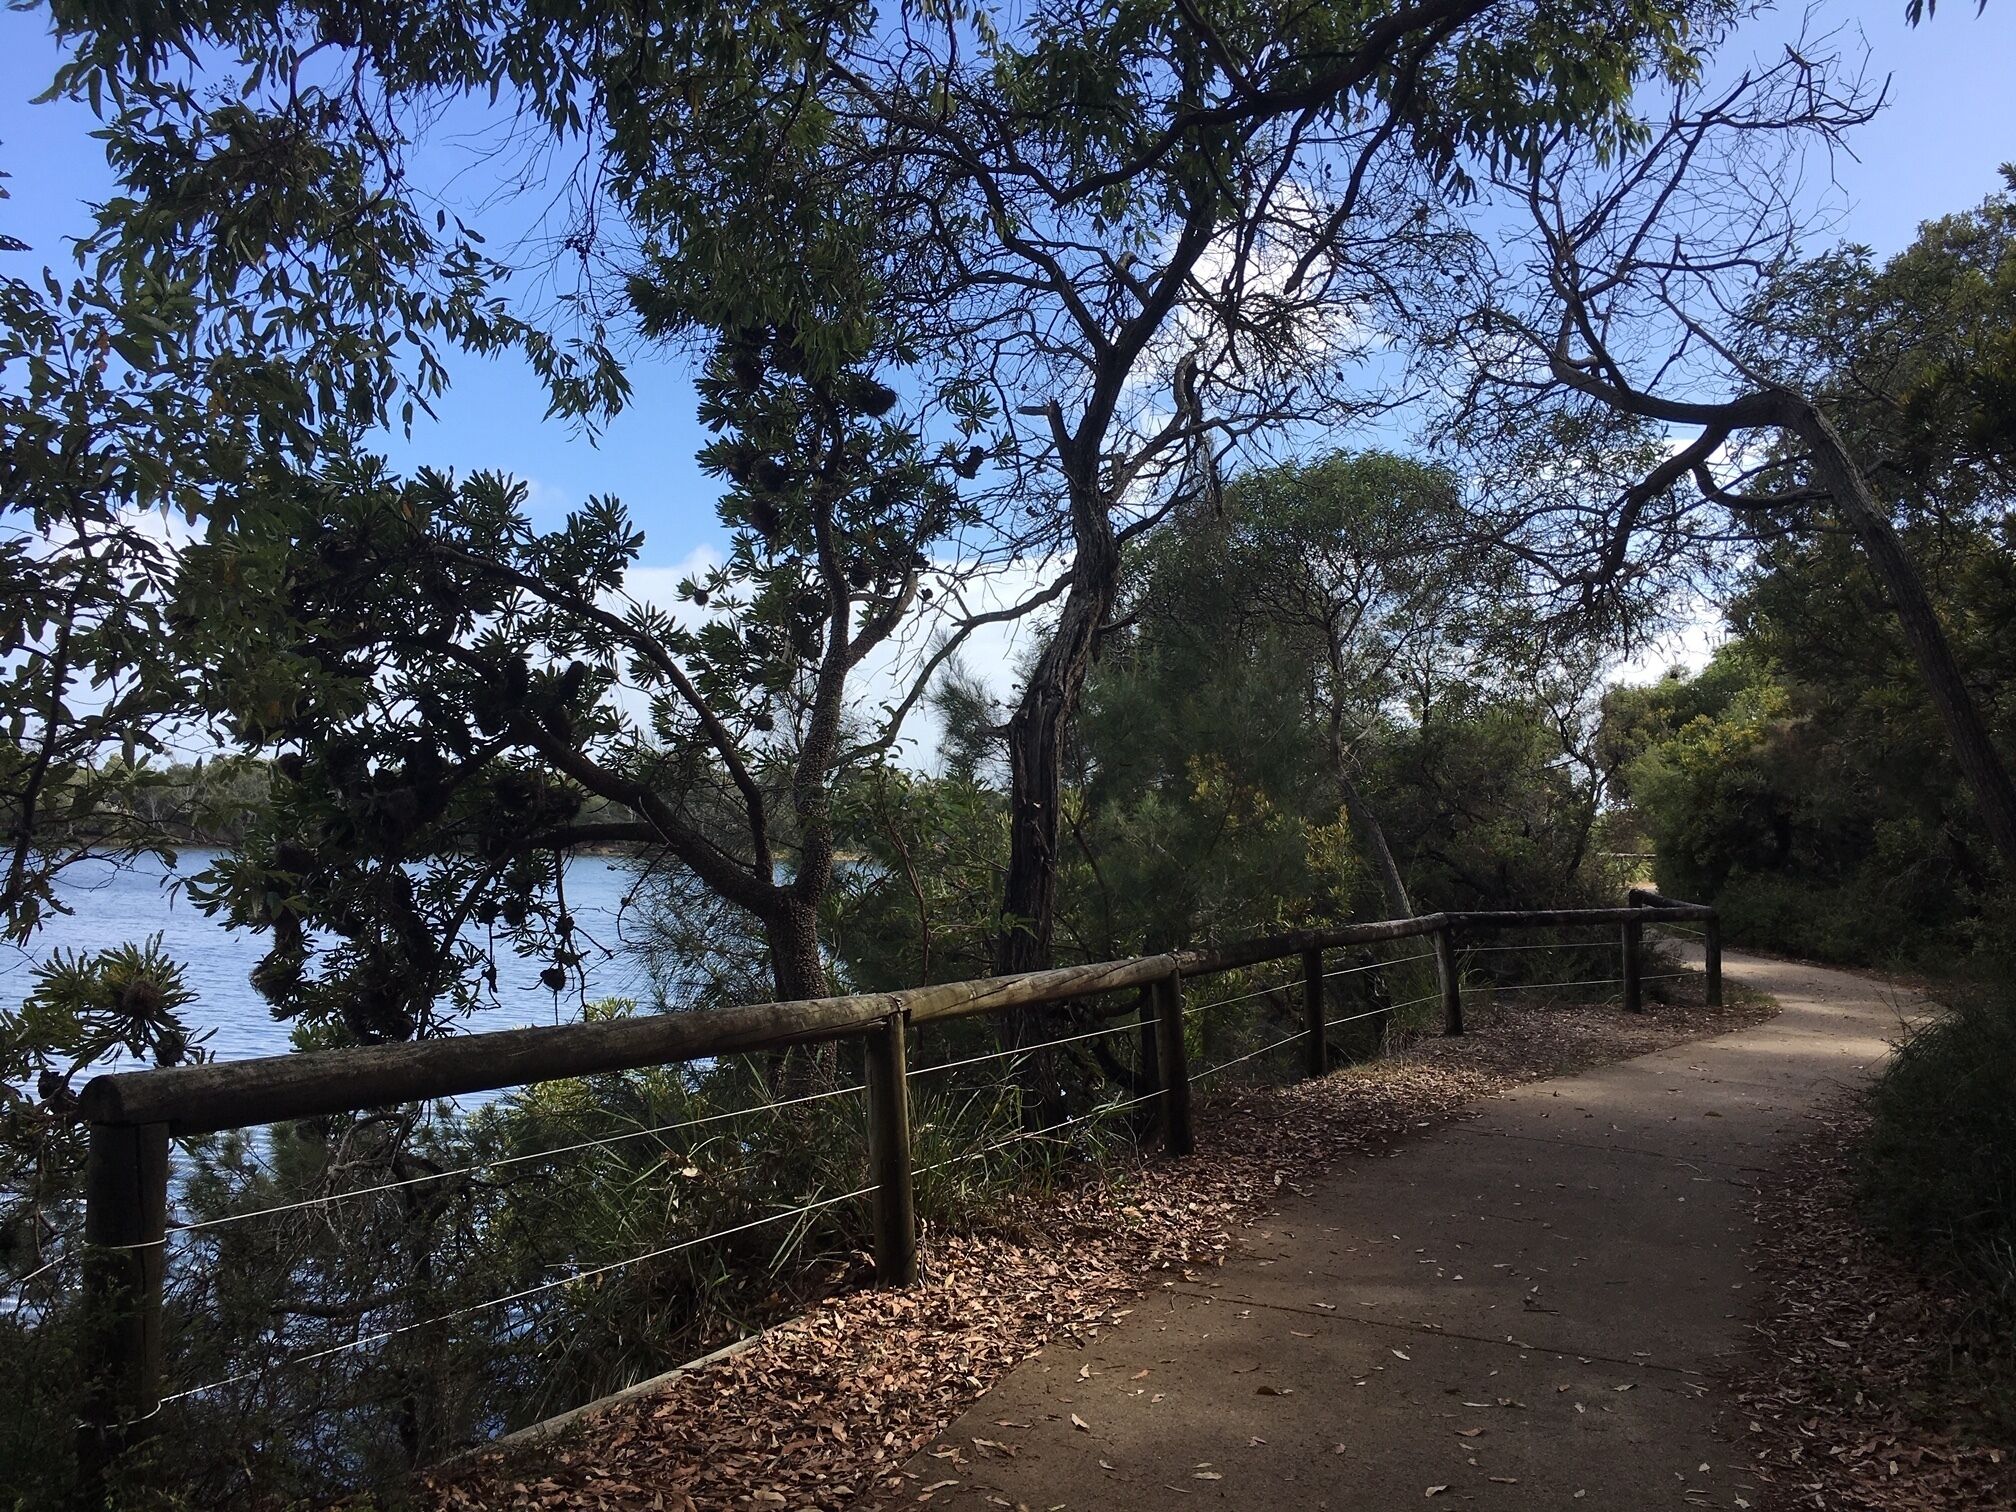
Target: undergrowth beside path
(827,1408)
(1867,1389)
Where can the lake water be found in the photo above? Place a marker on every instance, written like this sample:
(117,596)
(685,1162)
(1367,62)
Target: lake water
(114,905)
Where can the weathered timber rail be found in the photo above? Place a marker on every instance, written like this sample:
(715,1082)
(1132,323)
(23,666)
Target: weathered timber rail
(134,1116)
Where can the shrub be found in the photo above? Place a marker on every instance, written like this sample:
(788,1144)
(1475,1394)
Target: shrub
(1940,1163)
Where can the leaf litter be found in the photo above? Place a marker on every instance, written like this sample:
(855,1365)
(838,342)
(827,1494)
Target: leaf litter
(1848,1398)
(826,1410)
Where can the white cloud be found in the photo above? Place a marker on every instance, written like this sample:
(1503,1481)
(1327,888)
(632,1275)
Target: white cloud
(657,584)
(992,652)
(1698,631)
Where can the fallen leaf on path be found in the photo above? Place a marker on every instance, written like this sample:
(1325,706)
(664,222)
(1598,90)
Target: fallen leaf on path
(851,1382)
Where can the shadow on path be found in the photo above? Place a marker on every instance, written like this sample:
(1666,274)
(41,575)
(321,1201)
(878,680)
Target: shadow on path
(1526,1309)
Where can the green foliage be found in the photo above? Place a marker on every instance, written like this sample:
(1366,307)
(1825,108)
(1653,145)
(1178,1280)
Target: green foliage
(1915,356)
(1803,779)
(452,705)
(1497,795)
(1202,802)
(127,1001)
(100,431)
(1939,1165)
(920,899)
(1807,810)
(1331,643)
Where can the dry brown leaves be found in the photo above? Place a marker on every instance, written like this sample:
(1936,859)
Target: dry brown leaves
(827,1408)
(1848,1398)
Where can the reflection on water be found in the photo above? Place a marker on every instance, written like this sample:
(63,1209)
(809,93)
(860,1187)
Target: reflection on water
(113,905)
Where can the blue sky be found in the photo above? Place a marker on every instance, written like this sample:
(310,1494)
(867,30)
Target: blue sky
(1951,122)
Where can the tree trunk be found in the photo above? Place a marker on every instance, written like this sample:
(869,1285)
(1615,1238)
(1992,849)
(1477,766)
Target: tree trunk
(1372,835)
(1036,755)
(1036,734)
(796,964)
(1979,761)
(799,972)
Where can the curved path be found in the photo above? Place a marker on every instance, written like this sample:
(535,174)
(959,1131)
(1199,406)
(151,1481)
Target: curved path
(1526,1309)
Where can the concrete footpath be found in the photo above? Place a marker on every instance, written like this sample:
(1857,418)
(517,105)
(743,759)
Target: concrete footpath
(1526,1309)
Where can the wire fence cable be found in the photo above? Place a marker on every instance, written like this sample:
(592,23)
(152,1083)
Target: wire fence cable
(308,1356)
(502,1161)
(1124,1027)
(1249,1055)
(1379,965)
(1028,1134)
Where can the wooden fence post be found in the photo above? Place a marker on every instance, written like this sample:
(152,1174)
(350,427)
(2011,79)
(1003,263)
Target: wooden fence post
(1445,972)
(125,1263)
(1711,943)
(1634,966)
(1316,1043)
(1174,1065)
(1150,1029)
(889,1154)
(1382,999)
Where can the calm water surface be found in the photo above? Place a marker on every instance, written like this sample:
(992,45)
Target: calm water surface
(114,905)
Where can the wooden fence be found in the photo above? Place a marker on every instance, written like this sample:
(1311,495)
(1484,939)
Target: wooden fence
(134,1116)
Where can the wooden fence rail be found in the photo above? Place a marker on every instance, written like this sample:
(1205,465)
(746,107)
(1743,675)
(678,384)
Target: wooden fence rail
(134,1115)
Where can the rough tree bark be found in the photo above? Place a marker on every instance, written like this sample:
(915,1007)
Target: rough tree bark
(796,962)
(1036,734)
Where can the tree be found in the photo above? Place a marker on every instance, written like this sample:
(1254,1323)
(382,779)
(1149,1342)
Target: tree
(368,619)
(1915,358)
(235,311)
(1323,650)
(142,392)
(1157,234)
(455,688)
(81,575)
(1364,559)
(1642,279)
(1197,806)
(1841,801)
(1123,204)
